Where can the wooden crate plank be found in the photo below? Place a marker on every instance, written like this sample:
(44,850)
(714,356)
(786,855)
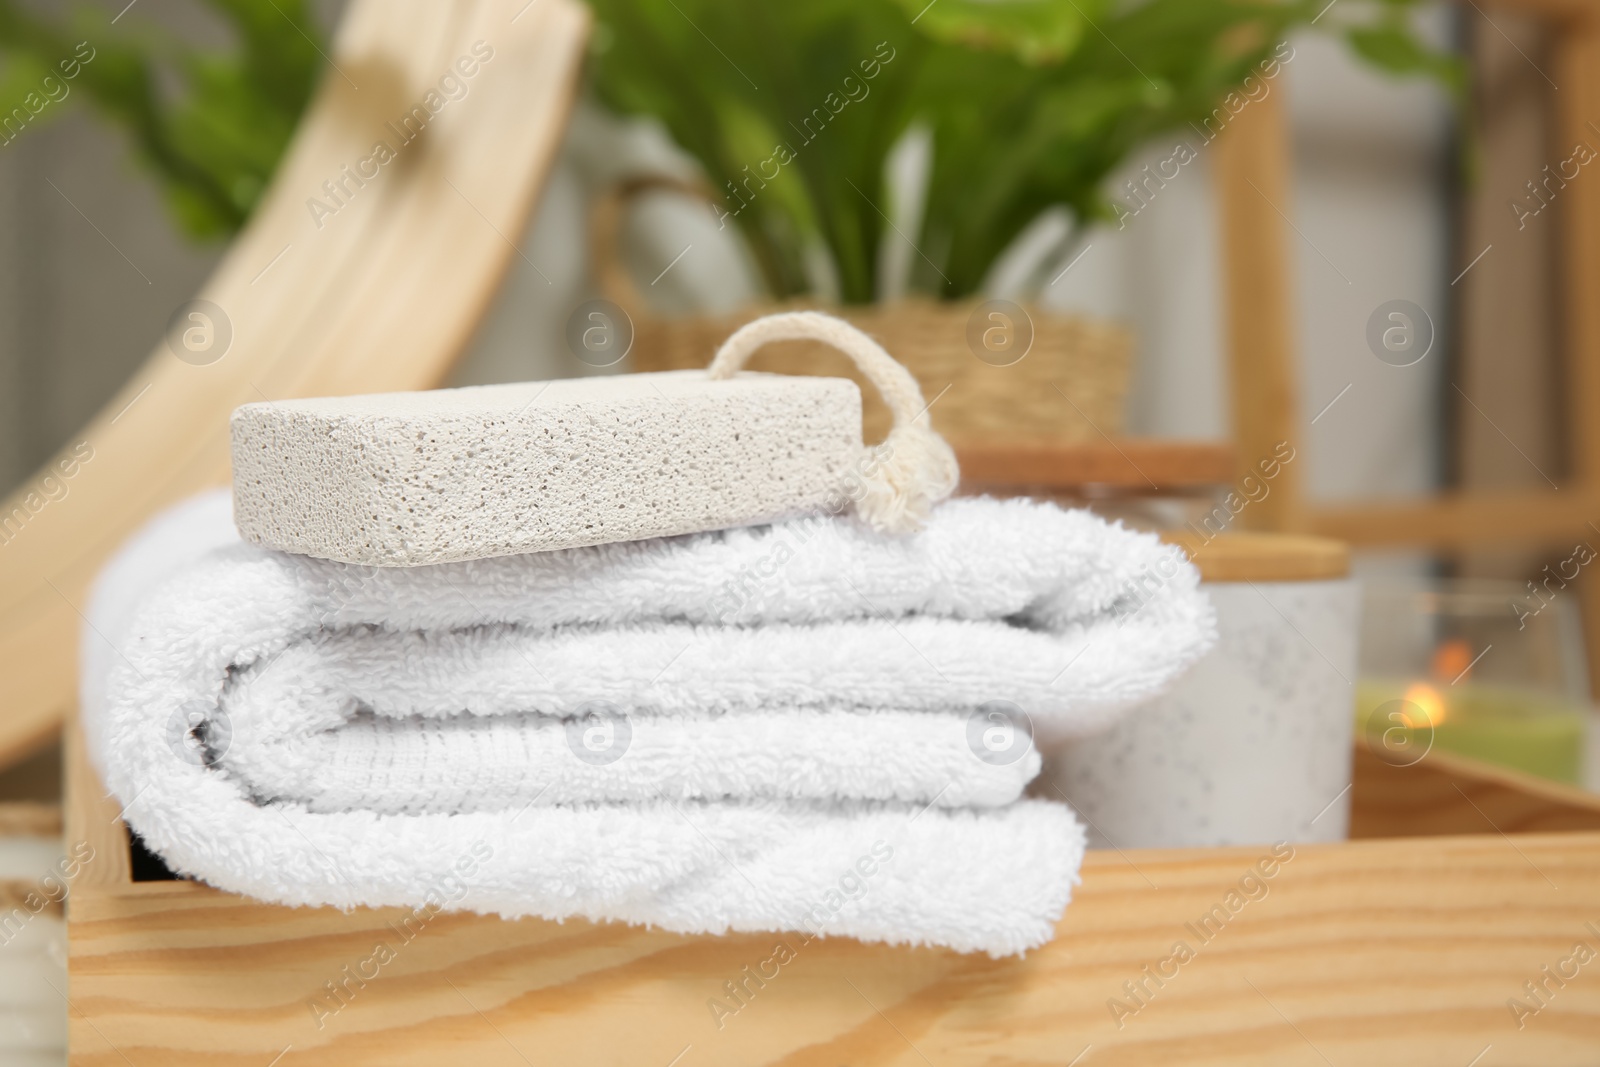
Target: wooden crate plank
(173,972)
(93,817)
(1377,952)
(1447,794)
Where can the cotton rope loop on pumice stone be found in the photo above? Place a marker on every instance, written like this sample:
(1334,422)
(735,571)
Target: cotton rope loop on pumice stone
(914,468)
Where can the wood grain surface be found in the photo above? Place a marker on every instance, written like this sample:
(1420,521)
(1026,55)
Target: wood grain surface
(1389,951)
(381,296)
(1378,952)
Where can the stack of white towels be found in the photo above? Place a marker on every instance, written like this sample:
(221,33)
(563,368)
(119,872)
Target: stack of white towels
(805,726)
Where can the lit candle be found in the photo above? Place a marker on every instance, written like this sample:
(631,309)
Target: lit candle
(1523,728)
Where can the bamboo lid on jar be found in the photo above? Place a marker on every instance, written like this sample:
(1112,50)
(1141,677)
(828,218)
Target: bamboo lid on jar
(1263,557)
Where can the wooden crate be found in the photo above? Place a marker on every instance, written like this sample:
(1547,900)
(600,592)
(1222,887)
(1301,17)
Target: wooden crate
(21,898)
(1390,949)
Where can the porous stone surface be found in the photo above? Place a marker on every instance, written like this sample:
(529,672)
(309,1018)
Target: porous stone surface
(406,479)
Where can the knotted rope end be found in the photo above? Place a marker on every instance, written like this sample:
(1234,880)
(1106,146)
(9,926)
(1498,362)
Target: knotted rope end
(913,468)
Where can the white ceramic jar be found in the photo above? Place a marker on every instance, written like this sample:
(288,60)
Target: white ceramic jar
(1253,745)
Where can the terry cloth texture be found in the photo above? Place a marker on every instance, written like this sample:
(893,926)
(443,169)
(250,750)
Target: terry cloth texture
(705,733)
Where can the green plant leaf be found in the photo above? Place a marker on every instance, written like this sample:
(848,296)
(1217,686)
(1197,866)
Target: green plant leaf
(212,144)
(1032,105)
(1034,31)
(1392,47)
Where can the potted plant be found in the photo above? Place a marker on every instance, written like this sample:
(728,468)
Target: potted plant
(1021,106)
(793,112)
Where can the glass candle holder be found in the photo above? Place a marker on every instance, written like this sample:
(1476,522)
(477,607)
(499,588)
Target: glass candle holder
(1491,670)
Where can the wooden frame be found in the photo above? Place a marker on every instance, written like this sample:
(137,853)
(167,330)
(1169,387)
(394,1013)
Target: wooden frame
(1256,265)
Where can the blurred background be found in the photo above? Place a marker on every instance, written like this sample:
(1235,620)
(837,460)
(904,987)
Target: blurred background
(96,256)
(1416,136)
(95,260)
(1062,157)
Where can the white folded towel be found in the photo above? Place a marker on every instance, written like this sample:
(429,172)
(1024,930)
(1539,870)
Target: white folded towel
(470,762)
(797,702)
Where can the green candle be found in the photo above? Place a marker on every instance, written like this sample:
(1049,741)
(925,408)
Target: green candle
(1525,729)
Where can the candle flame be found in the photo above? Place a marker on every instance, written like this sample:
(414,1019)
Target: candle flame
(1451,660)
(1428,704)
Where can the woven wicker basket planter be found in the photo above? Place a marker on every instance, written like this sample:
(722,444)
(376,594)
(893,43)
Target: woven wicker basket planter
(1043,377)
